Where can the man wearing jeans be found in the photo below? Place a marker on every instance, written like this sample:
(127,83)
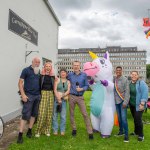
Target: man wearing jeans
(79,84)
(121,95)
(29,87)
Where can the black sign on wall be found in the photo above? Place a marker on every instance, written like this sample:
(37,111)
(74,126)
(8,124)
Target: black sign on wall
(23,29)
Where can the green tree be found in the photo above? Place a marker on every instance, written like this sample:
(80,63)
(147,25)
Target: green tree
(148,71)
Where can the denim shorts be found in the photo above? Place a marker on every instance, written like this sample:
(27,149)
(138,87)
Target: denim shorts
(30,108)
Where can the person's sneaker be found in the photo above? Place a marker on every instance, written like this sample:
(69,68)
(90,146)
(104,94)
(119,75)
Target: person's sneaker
(141,138)
(20,139)
(29,133)
(37,135)
(133,134)
(126,139)
(91,137)
(55,133)
(47,134)
(74,132)
(120,134)
(62,133)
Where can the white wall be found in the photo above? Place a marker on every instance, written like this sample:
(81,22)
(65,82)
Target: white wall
(13,47)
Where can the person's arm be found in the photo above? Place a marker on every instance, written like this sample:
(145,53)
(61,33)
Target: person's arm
(68,90)
(144,92)
(127,93)
(86,84)
(56,92)
(23,76)
(21,89)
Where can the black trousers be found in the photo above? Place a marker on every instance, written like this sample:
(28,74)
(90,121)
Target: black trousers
(138,125)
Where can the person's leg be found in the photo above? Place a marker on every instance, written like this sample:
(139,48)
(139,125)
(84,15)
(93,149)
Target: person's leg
(133,112)
(34,113)
(26,114)
(72,103)
(49,112)
(31,122)
(138,122)
(41,115)
(125,123)
(63,118)
(22,124)
(55,118)
(82,107)
(118,109)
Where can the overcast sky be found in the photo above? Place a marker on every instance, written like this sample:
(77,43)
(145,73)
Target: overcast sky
(101,23)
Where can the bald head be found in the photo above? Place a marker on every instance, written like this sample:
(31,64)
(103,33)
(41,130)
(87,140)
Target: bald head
(35,62)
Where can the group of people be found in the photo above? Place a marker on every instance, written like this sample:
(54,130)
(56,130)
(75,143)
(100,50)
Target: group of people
(133,94)
(45,96)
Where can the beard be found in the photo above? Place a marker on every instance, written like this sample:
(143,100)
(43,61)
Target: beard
(36,70)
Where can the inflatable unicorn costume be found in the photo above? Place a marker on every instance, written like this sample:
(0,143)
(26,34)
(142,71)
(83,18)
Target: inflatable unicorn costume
(102,100)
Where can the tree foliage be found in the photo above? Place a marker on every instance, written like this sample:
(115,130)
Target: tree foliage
(148,71)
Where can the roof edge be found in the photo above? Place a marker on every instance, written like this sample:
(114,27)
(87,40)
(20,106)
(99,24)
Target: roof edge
(52,11)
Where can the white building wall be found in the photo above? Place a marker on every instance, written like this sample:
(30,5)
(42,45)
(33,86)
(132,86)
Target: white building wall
(13,47)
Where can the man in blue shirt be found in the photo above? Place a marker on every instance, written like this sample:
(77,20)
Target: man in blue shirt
(29,87)
(79,84)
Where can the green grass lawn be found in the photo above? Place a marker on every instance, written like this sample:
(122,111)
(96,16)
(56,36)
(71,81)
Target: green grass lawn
(81,141)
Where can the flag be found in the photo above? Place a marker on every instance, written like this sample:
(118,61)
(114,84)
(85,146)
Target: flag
(147,32)
(146,22)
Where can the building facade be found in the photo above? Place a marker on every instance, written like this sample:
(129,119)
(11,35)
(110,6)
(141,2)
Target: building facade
(130,58)
(28,28)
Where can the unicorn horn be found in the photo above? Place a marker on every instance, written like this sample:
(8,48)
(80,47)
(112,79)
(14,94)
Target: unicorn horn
(93,55)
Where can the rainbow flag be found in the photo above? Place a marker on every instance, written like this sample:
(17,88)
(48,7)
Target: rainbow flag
(147,32)
(118,92)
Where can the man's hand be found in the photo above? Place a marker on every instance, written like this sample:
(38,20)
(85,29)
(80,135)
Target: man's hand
(141,107)
(59,100)
(79,89)
(24,98)
(124,105)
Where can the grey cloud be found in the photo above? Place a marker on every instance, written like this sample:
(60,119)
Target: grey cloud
(72,4)
(65,7)
(137,8)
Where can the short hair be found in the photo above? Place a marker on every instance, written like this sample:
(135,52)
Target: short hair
(35,58)
(119,67)
(135,72)
(63,69)
(76,61)
(50,61)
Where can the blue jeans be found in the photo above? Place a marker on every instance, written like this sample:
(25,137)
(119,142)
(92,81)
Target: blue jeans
(62,117)
(122,117)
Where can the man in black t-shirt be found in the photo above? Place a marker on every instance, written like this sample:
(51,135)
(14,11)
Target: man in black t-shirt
(29,86)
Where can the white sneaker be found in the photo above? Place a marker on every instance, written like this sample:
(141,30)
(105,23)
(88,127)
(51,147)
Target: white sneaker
(48,134)
(37,135)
